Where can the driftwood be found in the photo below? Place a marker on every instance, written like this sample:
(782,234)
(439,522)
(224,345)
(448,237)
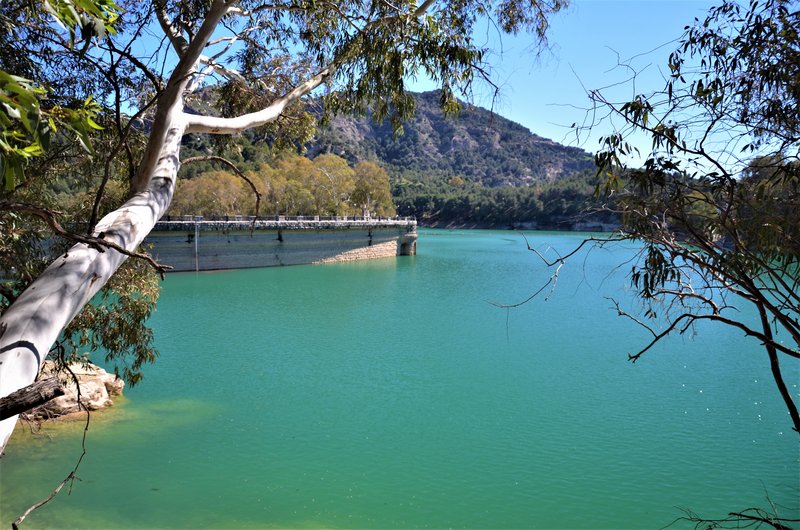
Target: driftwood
(29,397)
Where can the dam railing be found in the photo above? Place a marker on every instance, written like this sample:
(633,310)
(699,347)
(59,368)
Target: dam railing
(273,222)
(195,243)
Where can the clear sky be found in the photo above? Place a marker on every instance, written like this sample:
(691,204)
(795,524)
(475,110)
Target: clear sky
(547,92)
(587,41)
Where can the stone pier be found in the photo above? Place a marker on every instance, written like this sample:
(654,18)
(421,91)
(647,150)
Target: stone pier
(196,244)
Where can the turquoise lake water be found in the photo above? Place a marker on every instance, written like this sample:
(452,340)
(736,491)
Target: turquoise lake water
(392,394)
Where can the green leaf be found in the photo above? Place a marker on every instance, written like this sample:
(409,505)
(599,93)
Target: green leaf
(13,173)
(33,150)
(93,124)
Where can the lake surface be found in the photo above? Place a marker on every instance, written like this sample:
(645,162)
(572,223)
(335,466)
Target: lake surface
(393,394)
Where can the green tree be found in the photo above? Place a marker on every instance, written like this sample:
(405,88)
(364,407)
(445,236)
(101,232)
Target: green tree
(274,185)
(298,177)
(333,185)
(372,193)
(716,202)
(297,199)
(214,193)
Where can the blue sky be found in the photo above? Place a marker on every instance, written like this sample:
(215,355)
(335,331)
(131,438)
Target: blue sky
(547,94)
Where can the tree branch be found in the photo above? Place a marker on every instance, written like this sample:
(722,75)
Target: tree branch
(15,525)
(751,517)
(674,323)
(172,33)
(215,125)
(71,477)
(29,397)
(775,368)
(172,96)
(96,242)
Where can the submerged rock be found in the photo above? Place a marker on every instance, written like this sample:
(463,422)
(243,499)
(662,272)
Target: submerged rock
(97,387)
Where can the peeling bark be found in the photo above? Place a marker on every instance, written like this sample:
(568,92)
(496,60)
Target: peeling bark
(30,397)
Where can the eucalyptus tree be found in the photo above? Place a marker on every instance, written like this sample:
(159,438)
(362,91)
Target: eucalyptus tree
(372,192)
(717,201)
(211,194)
(217,67)
(333,185)
(54,136)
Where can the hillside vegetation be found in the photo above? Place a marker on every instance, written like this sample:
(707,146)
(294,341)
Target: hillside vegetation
(287,185)
(472,169)
(477,145)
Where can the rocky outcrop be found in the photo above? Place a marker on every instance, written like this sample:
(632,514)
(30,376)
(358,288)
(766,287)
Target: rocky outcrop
(97,387)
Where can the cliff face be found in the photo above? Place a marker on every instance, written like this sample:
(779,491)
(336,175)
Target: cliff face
(477,145)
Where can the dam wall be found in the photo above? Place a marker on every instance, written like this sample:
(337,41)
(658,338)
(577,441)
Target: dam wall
(202,245)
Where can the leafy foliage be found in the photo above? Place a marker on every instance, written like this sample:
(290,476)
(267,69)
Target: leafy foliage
(27,127)
(116,322)
(53,148)
(372,191)
(566,203)
(717,200)
(291,185)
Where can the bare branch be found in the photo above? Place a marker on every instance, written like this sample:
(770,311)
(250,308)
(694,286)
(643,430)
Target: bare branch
(15,525)
(551,281)
(749,518)
(761,517)
(71,477)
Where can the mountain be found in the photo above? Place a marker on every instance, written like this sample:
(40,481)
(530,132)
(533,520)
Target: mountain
(476,169)
(477,145)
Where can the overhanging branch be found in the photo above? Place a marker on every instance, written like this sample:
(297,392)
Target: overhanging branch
(96,242)
(215,125)
(30,397)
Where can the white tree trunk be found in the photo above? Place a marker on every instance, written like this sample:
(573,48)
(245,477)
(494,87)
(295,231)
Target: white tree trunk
(33,323)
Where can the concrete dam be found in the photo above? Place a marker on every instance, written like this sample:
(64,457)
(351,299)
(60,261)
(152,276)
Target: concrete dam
(195,244)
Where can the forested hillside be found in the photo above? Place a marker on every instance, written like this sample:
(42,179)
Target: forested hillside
(476,145)
(471,169)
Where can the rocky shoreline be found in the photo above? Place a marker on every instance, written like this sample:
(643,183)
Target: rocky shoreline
(97,388)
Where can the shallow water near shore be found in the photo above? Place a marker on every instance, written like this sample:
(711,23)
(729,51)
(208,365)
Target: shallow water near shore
(393,394)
